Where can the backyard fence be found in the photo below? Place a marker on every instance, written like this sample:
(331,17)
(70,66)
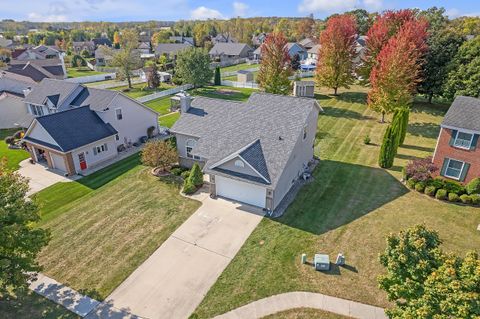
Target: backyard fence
(116,84)
(248,85)
(228,62)
(306,74)
(232,73)
(168,92)
(93,78)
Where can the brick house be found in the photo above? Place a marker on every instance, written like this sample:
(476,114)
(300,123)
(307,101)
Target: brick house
(457,154)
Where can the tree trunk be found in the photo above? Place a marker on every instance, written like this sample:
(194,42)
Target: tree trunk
(383,118)
(335,91)
(129,81)
(430,97)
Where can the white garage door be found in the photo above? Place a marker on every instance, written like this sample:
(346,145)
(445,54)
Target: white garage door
(58,162)
(240,191)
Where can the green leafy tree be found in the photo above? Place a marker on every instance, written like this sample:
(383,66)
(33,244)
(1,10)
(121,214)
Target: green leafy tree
(85,53)
(275,66)
(336,54)
(464,77)
(363,18)
(162,36)
(153,79)
(127,58)
(426,283)
(388,150)
(193,66)
(217,77)
(20,241)
(159,154)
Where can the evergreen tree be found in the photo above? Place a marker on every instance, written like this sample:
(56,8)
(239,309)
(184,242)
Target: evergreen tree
(196,175)
(217,77)
(405,115)
(388,149)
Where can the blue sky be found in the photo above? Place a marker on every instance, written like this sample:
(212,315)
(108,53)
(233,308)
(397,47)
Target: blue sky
(141,10)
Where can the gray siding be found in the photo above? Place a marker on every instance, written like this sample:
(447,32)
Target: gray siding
(302,154)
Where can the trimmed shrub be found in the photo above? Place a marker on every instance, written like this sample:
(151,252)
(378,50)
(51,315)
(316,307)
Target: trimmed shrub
(453,197)
(217,77)
(430,190)
(18,135)
(421,169)
(441,194)
(10,140)
(475,198)
(177,171)
(436,182)
(388,150)
(150,131)
(366,140)
(196,175)
(420,187)
(466,199)
(185,174)
(473,187)
(454,187)
(411,183)
(188,187)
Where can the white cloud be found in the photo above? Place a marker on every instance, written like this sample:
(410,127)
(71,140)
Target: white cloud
(204,13)
(373,5)
(38,17)
(455,13)
(338,6)
(240,9)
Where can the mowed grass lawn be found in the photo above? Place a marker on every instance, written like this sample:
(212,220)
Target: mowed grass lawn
(80,71)
(350,207)
(305,313)
(141,89)
(106,224)
(13,156)
(237,67)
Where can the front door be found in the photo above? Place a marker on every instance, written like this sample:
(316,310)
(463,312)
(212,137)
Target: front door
(83,162)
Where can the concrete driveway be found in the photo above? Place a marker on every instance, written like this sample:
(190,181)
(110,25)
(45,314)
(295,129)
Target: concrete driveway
(40,176)
(173,281)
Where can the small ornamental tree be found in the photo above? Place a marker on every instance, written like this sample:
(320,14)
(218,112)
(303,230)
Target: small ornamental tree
(159,154)
(336,54)
(20,241)
(217,78)
(388,149)
(420,169)
(295,62)
(196,175)
(275,66)
(153,79)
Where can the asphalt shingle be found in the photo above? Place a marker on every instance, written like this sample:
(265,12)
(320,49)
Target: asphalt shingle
(463,113)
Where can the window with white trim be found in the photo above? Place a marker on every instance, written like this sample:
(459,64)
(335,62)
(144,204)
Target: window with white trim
(37,110)
(119,114)
(100,149)
(189,145)
(454,168)
(463,140)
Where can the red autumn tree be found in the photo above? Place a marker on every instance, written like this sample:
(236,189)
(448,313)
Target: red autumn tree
(384,27)
(275,66)
(336,54)
(396,74)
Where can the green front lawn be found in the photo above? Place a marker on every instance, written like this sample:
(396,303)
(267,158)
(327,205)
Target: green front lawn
(81,71)
(14,157)
(29,305)
(224,92)
(169,119)
(105,225)
(161,105)
(141,89)
(350,207)
(304,313)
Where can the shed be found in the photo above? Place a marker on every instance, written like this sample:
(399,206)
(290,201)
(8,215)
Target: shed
(244,76)
(304,88)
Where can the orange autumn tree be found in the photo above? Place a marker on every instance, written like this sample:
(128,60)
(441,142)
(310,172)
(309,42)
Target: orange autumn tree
(384,27)
(395,76)
(335,58)
(275,66)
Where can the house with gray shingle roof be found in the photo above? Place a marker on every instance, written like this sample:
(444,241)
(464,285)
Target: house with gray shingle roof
(230,51)
(76,127)
(171,50)
(252,151)
(457,154)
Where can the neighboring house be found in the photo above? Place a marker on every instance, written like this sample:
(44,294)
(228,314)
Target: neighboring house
(101,41)
(38,70)
(360,48)
(79,47)
(252,151)
(291,47)
(144,47)
(308,43)
(171,50)
(230,51)
(78,127)
(182,39)
(13,111)
(5,43)
(257,40)
(163,76)
(304,88)
(313,52)
(457,154)
(40,52)
(223,38)
(101,57)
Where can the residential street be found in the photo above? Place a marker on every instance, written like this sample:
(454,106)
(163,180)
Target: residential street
(173,281)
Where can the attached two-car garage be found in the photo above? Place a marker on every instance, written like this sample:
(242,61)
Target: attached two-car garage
(240,191)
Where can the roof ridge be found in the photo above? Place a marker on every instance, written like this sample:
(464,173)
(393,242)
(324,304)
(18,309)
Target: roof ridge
(69,110)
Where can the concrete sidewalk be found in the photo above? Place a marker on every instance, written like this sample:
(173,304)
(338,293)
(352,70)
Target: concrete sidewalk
(63,295)
(174,280)
(293,300)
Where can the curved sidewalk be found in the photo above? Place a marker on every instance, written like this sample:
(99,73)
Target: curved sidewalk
(292,300)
